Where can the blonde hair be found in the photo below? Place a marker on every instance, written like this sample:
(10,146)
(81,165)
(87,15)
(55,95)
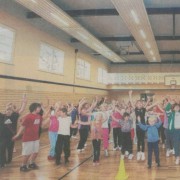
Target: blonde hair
(152,118)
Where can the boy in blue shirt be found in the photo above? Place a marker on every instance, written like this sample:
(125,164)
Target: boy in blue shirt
(152,138)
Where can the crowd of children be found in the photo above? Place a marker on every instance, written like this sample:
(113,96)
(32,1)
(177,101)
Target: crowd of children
(129,123)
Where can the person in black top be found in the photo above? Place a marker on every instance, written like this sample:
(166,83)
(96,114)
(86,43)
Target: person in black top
(140,111)
(8,127)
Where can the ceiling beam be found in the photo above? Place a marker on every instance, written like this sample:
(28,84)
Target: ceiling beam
(174,25)
(141,53)
(111,12)
(130,38)
(146,62)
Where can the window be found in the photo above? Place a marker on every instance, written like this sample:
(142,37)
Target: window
(6,44)
(51,59)
(83,69)
(102,76)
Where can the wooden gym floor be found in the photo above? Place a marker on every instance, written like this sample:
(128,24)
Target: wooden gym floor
(81,168)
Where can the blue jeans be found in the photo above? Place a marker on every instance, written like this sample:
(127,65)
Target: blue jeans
(52,139)
(169,139)
(176,136)
(153,146)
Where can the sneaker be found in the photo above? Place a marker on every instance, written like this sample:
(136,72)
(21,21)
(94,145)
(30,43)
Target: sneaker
(126,153)
(173,152)
(74,137)
(115,148)
(177,161)
(138,156)
(50,158)
(106,153)
(66,161)
(167,153)
(78,150)
(85,145)
(24,168)
(33,166)
(14,150)
(94,164)
(82,149)
(163,146)
(2,166)
(119,147)
(97,163)
(142,156)
(122,156)
(130,156)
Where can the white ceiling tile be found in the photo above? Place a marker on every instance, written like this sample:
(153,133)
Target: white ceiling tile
(161,24)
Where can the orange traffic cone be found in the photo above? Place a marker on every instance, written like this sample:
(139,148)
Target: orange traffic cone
(121,175)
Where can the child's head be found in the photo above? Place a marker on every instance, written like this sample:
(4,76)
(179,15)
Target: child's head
(86,106)
(63,112)
(8,111)
(117,107)
(126,116)
(152,120)
(98,117)
(104,107)
(176,107)
(35,108)
(139,104)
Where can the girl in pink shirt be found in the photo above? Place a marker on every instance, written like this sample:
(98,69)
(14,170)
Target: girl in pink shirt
(53,129)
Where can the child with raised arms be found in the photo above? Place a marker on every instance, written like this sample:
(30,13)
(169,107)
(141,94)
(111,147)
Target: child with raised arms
(96,134)
(152,137)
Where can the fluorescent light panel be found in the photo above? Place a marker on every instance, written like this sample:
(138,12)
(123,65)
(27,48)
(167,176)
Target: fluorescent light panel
(151,52)
(135,17)
(133,13)
(56,17)
(34,1)
(53,14)
(82,35)
(142,34)
(147,45)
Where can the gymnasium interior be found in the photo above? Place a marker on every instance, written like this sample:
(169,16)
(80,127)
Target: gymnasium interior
(64,50)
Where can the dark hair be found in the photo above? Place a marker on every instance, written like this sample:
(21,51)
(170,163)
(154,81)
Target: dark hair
(176,104)
(64,110)
(41,112)
(34,106)
(126,114)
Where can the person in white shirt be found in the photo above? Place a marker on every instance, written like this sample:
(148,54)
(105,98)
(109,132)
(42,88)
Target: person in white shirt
(63,140)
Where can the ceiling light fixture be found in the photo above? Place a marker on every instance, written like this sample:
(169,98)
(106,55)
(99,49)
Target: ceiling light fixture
(82,35)
(56,17)
(154,59)
(147,45)
(142,33)
(135,17)
(151,52)
(34,1)
(98,46)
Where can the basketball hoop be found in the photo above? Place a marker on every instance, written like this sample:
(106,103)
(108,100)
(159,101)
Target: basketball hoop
(173,84)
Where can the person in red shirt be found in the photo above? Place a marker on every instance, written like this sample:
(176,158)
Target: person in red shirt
(30,140)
